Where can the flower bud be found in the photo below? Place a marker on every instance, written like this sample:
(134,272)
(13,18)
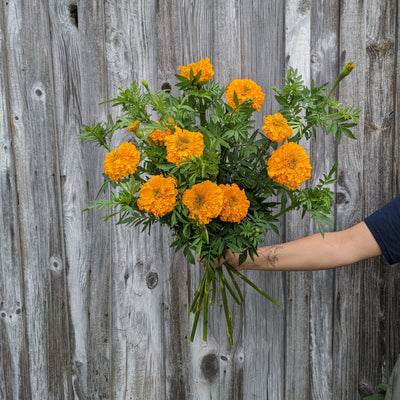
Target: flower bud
(133,127)
(350,66)
(139,134)
(345,71)
(146,85)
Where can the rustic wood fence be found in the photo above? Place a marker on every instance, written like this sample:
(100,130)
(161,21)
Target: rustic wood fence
(93,311)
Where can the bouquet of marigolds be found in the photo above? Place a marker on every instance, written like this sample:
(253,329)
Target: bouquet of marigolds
(197,163)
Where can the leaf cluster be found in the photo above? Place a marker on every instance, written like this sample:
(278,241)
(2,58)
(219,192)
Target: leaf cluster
(235,151)
(309,108)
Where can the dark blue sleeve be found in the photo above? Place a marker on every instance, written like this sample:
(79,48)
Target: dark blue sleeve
(384,225)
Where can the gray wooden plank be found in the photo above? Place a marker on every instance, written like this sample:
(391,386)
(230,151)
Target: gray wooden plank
(37,184)
(187,36)
(190,367)
(137,259)
(92,274)
(349,200)
(180,354)
(226,55)
(378,180)
(298,284)
(74,169)
(324,68)
(392,278)
(263,59)
(14,370)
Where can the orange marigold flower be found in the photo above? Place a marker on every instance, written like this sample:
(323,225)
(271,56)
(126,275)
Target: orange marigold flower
(245,89)
(183,144)
(158,195)
(235,203)
(159,135)
(289,165)
(122,161)
(204,201)
(133,127)
(203,65)
(276,128)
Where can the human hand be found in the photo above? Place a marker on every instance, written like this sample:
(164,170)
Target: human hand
(228,257)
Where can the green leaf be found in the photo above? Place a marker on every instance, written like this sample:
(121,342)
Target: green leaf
(252,284)
(348,132)
(188,254)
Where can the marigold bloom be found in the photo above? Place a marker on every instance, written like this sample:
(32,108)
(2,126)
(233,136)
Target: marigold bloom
(245,89)
(276,128)
(204,201)
(235,203)
(122,161)
(203,65)
(289,165)
(133,127)
(158,195)
(159,135)
(183,144)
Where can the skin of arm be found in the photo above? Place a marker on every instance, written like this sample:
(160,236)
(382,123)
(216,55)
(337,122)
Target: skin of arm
(335,249)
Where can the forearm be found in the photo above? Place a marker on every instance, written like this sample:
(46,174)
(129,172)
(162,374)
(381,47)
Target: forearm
(314,252)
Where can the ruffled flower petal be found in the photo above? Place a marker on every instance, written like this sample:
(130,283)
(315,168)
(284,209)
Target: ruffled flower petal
(289,165)
(158,195)
(204,201)
(276,128)
(183,144)
(203,65)
(245,89)
(235,203)
(122,161)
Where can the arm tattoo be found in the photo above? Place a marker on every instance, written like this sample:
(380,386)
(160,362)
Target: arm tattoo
(272,255)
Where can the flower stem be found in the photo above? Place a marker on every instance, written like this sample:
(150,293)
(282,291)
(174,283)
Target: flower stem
(205,310)
(196,296)
(226,309)
(234,282)
(233,294)
(214,292)
(345,71)
(249,282)
(197,314)
(291,207)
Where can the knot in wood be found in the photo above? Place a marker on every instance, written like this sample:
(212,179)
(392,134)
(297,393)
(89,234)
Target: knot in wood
(166,86)
(73,13)
(152,280)
(55,264)
(341,198)
(210,367)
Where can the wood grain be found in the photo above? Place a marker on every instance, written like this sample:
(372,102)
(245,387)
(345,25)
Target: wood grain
(298,285)
(89,310)
(37,182)
(378,180)
(14,381)
(262,318)
(348,206)
(325,67)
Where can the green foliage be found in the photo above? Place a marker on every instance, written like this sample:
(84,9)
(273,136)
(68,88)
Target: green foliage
(380,393)
(309,108)
(234,152)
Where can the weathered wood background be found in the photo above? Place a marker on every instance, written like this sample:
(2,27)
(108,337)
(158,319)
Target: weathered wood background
(92,311)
